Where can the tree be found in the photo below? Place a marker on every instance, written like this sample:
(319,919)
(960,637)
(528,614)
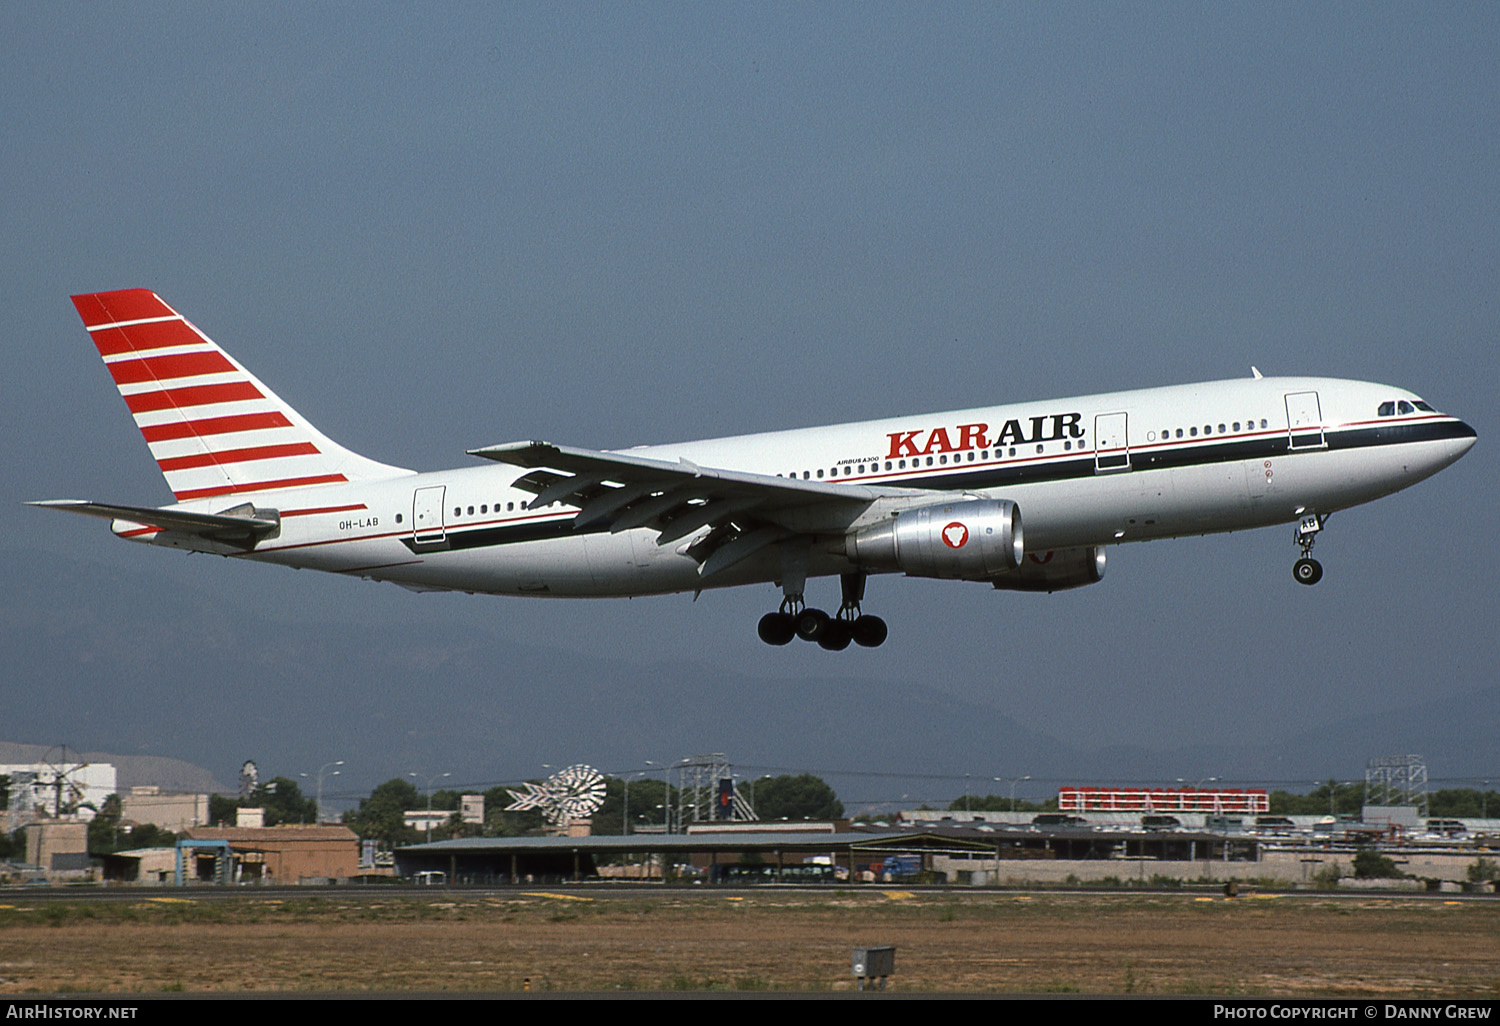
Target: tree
(382,815)
(1000,803)
(283,801)
(1369,864)
(1347,799)
(280,797)
(104,827)
(796,797)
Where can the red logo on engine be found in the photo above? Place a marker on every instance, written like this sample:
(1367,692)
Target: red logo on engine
(955,535)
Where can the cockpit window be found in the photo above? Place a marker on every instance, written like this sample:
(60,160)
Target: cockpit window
(1388,409)
(1424,407)
(1405,407)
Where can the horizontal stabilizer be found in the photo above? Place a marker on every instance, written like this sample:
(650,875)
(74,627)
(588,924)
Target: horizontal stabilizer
(234,528)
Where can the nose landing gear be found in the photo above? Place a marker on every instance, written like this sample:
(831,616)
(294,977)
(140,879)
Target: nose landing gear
(1308,570)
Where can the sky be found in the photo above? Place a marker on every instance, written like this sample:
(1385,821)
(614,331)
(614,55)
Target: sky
(436,227)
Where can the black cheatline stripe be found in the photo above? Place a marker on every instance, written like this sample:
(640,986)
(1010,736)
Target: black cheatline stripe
(1201,454)
(484,537)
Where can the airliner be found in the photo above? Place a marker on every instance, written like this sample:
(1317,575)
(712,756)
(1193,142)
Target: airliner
(939,495)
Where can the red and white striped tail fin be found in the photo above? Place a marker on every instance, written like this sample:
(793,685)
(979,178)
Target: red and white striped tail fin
(212,426)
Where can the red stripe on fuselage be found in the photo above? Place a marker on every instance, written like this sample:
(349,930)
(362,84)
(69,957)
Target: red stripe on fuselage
(321,509)
(263,452)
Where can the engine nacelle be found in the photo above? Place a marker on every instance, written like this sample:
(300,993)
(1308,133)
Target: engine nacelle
(972,540)
(1055,571)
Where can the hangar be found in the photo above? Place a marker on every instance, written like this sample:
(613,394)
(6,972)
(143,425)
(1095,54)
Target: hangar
(783,856)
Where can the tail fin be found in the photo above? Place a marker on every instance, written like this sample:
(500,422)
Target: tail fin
(212,426)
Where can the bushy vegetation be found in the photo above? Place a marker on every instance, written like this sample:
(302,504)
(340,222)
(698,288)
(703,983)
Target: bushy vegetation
(280,797)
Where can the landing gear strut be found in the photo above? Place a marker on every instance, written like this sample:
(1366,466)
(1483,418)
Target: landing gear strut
(1308,570)
(796,620)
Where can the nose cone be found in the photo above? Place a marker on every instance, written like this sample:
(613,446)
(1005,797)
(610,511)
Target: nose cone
(1457,440)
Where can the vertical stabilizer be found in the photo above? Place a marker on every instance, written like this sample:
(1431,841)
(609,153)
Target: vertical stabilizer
(213,428)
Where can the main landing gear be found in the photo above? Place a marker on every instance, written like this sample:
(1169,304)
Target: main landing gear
(834,633)
(1308,570)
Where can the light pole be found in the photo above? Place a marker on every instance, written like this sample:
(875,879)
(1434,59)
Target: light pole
(1013,784)
(625,815)
(428,789)
(335,773)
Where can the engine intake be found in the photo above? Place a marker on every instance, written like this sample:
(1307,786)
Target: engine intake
(972,541)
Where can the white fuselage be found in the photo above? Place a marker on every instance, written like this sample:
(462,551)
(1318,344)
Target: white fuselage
(1086,471)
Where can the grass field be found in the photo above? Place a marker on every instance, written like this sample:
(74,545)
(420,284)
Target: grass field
(771,940)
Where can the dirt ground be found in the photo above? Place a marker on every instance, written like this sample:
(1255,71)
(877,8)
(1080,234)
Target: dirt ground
(566,941)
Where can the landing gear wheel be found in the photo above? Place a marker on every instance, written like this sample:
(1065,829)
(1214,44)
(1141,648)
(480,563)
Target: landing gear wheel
(811,623)
(869,631)
(776,628)
(1307,571)
(836,636)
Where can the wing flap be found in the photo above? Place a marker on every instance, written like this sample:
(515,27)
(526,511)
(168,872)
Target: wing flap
(738,513)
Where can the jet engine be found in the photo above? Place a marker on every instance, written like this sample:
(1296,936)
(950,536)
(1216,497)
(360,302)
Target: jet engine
(972,540)
(1055,571)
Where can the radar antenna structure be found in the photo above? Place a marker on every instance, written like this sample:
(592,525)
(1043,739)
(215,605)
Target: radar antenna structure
(1397,780)
(700,780)
(55,789)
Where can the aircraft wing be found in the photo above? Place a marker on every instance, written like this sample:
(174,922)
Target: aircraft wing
(745,511)
(231,527)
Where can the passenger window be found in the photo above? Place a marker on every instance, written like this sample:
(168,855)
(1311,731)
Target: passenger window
(820,473)
(1193,432)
